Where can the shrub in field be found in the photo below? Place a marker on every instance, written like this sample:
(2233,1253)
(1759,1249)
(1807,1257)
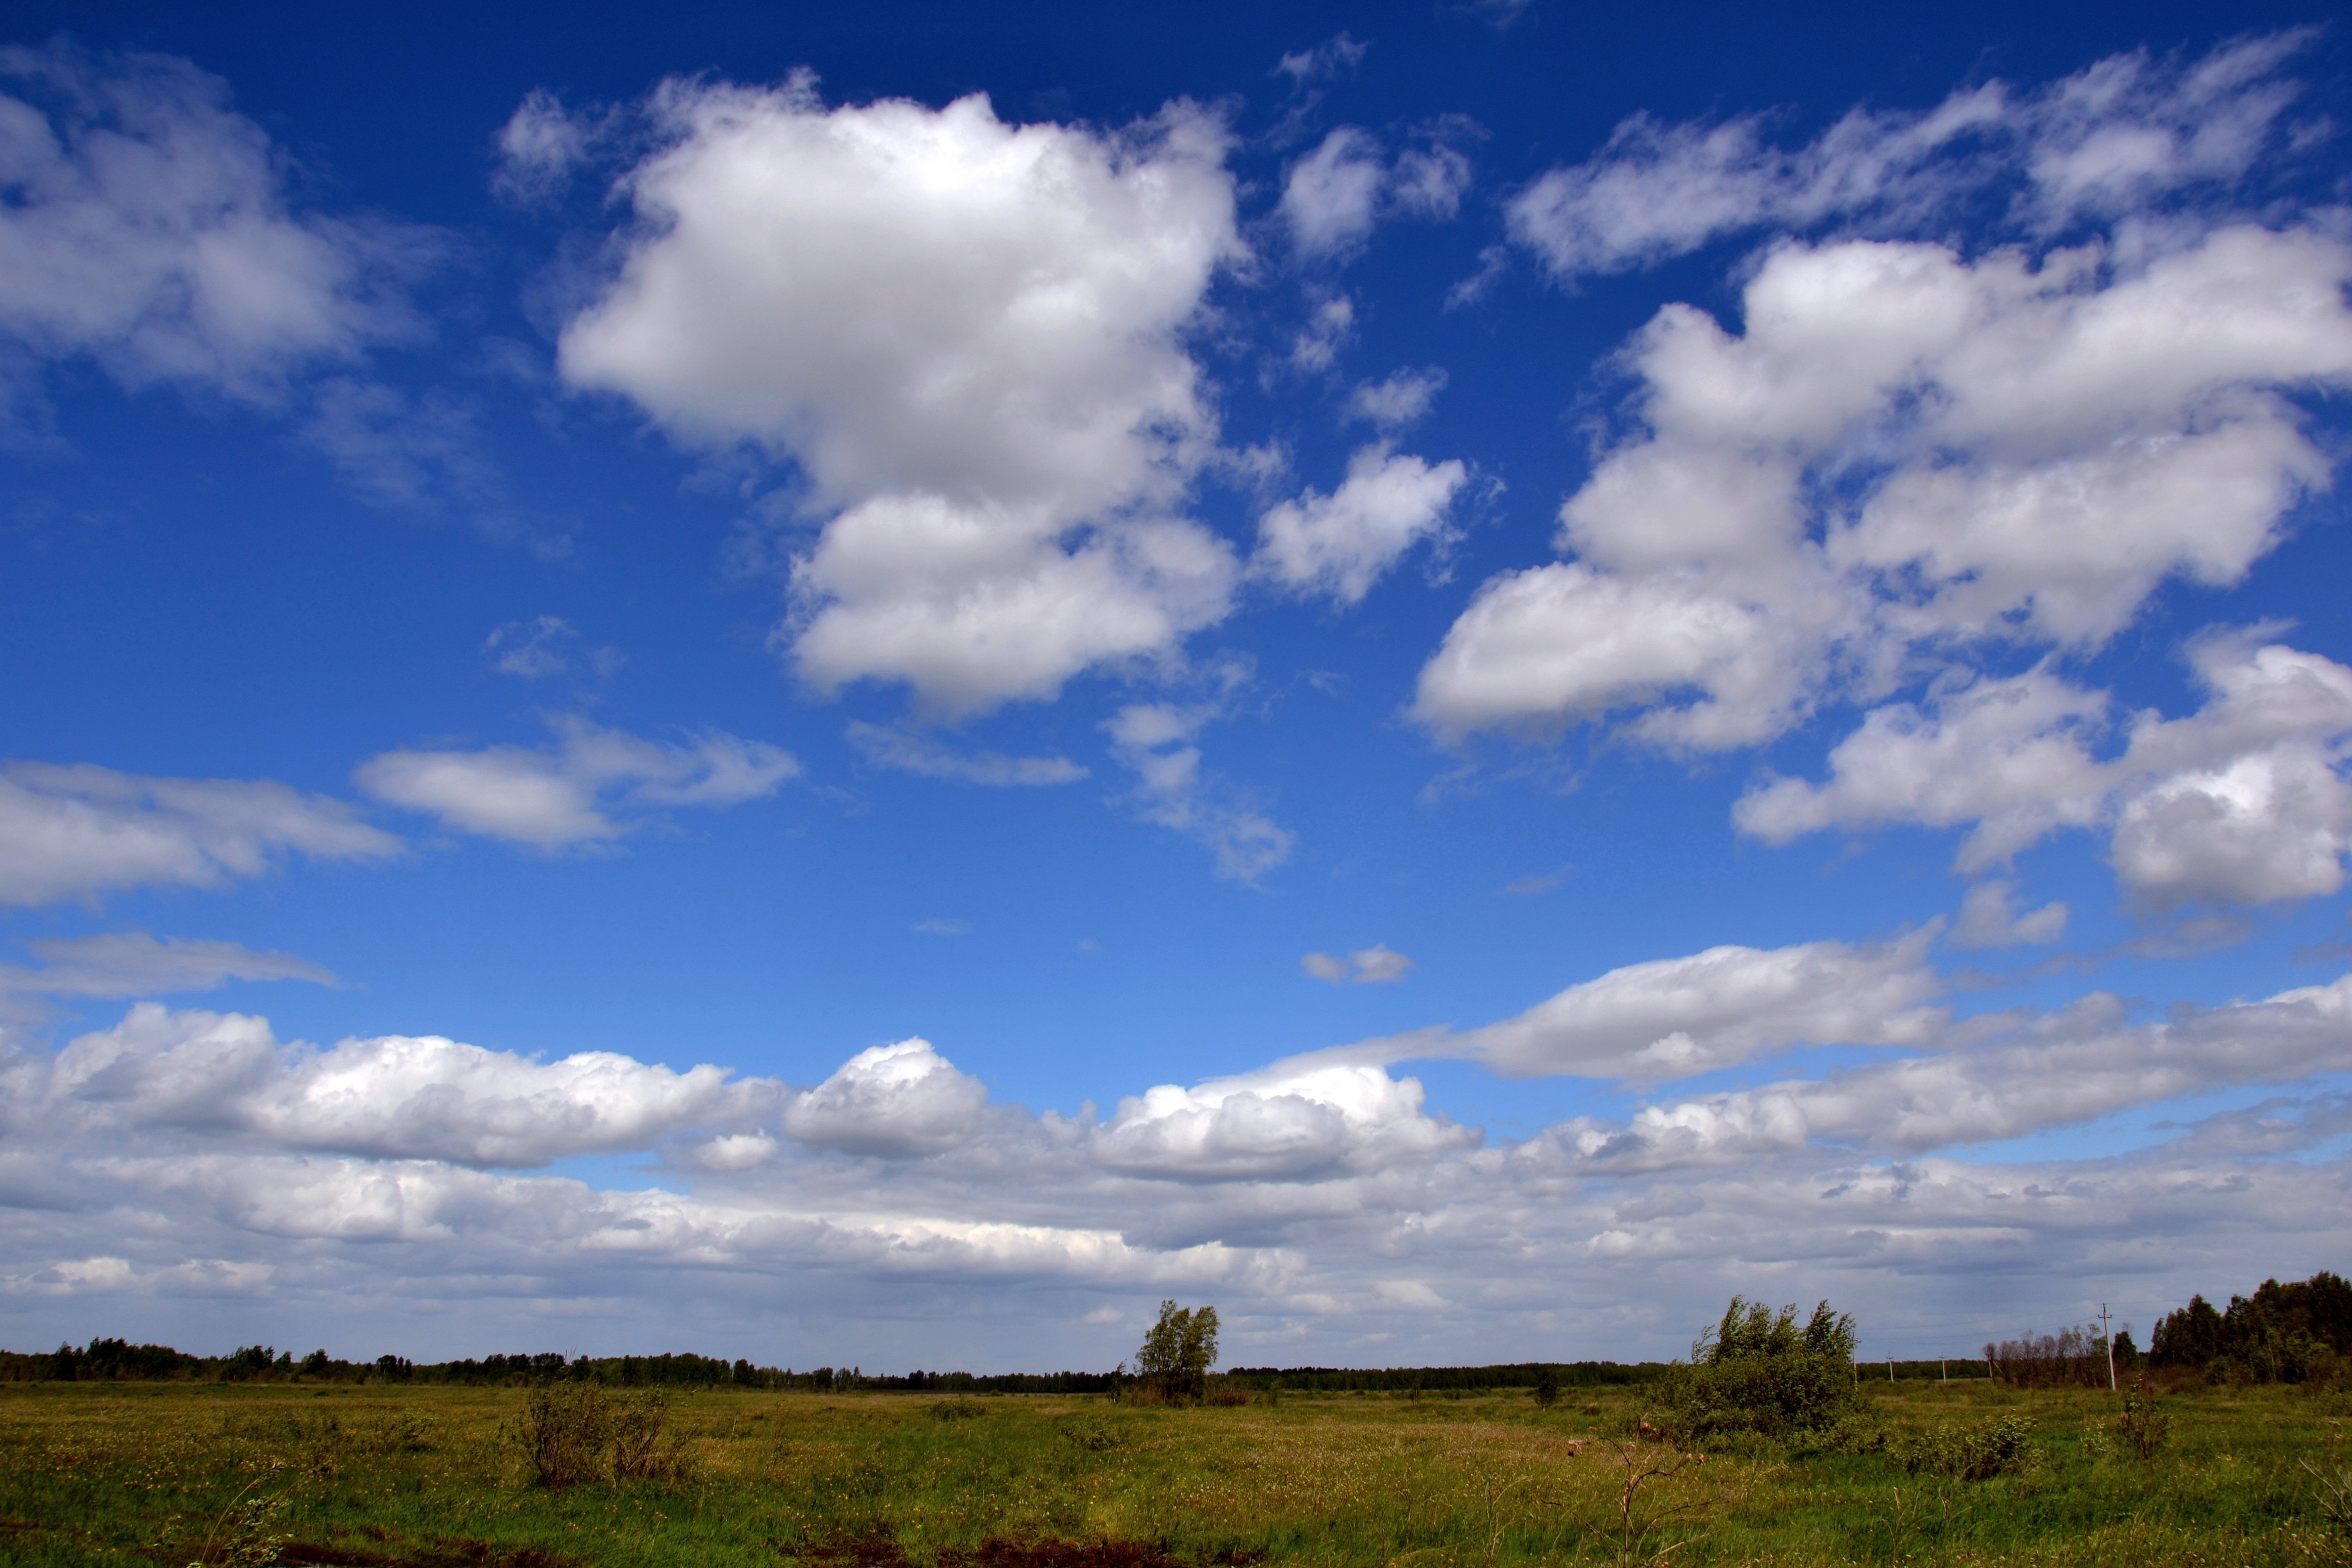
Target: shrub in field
(1758,1371)
(964,1407)
(1977,1452)
(2142,1427)
(566,1429)
(572,1433)
(644,1448)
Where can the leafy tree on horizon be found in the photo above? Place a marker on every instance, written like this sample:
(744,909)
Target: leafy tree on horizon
(1179,1351)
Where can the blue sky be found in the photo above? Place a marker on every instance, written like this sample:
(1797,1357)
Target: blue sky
(872,685)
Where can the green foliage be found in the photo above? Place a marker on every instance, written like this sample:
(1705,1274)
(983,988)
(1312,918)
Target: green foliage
(564,1433)
(1975,1452)
(2282,1333)
(1178,1352)
(1759,1371)
(1547,1388)
(2142,1427)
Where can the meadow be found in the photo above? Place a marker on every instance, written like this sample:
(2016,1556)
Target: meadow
(176,1473)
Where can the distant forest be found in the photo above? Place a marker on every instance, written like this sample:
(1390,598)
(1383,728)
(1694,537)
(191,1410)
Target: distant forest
(2282,1333)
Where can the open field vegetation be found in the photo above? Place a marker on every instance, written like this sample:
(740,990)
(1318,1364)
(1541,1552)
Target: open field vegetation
(2231,1444)
(174,1473)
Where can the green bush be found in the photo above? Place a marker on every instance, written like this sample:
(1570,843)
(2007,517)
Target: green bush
(1996,1447)
(1756,1371)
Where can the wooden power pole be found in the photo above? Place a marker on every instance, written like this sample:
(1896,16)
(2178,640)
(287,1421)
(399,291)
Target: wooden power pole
(2110,1341)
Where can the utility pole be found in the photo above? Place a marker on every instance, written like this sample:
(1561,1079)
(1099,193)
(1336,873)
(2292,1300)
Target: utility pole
(2110,1340)
(1890,1369)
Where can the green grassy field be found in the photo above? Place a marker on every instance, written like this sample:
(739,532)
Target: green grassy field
(173,1473)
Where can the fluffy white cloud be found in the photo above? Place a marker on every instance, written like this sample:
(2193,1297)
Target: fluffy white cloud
(2243,801)
(567,794)
(148,228)
(1340,543)
(1282,1125)
(2036,448)
(2102,142)
(1675,1018)
(967,335)
(1334,197)
(162,1073)
(75,832)
(897,1099)
(886,748)
(1155,739)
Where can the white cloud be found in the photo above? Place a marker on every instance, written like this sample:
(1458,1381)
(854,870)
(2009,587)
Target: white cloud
(540,148)
(968,336)
(132,963)
(2242,802)
(1329,326)
(1674,1017)
(568,794)
(886,748)
(148,228)
(2055,1070)
(1320,1204)
(1990,918)
(1341,543)
(1155,740)
(2106,142)
(75,832)
(1400,400)
(900,1100)
(1378,964)
(196,1074)
(1334,197)
(1278,1125)
(2022,454)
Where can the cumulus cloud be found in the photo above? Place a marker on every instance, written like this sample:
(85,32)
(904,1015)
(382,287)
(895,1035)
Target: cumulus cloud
(1341,543)
(570,793)
(1155,740)
(1280,1124)
(196,1074)
(900,1100)
(2242,802)
(76,832)
(2020,454)
(148,228)
(914,753)
(2109,140)
(1334,197)
(1378,964)
(968,336)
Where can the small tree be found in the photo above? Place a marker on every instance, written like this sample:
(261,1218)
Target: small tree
(1179,1352)
(1546,1388)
